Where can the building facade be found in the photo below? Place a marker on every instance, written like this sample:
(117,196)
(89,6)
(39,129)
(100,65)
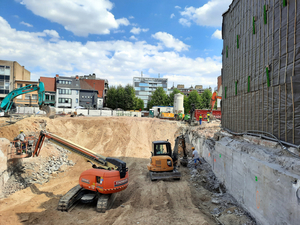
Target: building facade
(67,91)
(101,85)
(186,91)
(88,96)
(50,90)
(145,86)
(10,71)
(28,99)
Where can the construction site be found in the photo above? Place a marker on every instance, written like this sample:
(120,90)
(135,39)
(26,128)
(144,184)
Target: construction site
(240,167)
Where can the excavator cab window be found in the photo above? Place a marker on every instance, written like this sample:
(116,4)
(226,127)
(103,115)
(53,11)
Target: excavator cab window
(162,148)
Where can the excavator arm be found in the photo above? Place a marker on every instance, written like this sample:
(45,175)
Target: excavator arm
(106,163)
(7,102)
(214,99)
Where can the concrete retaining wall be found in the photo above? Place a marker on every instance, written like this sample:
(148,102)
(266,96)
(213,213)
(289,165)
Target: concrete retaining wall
(265,182)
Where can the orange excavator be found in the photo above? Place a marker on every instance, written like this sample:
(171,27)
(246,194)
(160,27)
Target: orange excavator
(214,99)
(107,177)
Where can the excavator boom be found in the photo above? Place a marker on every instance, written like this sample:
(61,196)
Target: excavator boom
(107,177)
(7,102)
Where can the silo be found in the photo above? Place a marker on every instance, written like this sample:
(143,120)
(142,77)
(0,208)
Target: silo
(178,103)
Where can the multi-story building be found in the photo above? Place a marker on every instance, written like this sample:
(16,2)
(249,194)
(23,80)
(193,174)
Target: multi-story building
(28,99)
(145,86)
(186,91)
(50,90)
(88,96)
(101,85)
(67,91)
(10,72)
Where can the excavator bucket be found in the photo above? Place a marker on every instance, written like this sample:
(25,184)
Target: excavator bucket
(165,175)
(50,112)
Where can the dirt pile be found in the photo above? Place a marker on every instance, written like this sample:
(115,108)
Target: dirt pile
(143,202)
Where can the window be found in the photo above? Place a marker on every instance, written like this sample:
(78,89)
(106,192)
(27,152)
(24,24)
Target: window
(64,100)
(27,96)
(6,85)
(65,91)
(2,69)
(144,85)
(76,100)
(34,96)
(19,97)
(19,85)
(52,97)
(47,97)
(7,70)
(76,92)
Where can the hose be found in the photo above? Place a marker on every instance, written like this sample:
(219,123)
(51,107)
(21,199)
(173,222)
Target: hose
(272,138)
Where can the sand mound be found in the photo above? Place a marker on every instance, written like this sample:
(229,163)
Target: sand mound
(143,202)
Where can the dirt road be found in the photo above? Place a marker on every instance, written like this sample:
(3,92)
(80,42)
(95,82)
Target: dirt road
(143,202)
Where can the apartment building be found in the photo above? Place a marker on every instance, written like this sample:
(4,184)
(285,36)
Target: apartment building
(145,86)
(67,91)
(10,72)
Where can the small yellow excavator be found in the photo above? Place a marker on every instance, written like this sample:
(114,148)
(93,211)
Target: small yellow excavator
(163,162)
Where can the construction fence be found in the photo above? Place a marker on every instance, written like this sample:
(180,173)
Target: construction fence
(85,112)
(261,68)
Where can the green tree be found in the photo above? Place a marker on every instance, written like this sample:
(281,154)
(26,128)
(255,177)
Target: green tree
(205,98)
(111,97)
(120,103)
(171,96)
(129,100)
(194,98)
(139,104)
(186,105)
(159,97)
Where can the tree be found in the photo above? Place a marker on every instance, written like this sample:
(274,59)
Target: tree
(159,97)
(111,97)
(129,97)
(171,96)
(194,98)
(186,105)
(120,103)
(139,104)
(205,98)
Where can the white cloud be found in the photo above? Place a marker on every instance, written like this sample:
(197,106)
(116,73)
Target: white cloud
(210,14)
(133,38)
(118,61)
(172,15)
(26,24)
(184,22)
(137,30)
(170,42)
(131,17)
(119,31)
(217,34)
(80,17)
(177,7)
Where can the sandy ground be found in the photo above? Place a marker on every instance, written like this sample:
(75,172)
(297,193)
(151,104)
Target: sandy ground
(143,202)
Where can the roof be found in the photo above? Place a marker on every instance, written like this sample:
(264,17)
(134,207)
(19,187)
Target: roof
(49,83)
(97,84)
(85,86)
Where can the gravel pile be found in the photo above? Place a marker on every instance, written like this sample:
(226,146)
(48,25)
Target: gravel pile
(37,173)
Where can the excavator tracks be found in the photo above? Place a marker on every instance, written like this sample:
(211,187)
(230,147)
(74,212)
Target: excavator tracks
(69,199)
(105,202)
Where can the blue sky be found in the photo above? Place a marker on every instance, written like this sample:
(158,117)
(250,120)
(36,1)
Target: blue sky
(116,39)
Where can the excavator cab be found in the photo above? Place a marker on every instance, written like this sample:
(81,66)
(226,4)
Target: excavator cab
(161,148)
(162,164)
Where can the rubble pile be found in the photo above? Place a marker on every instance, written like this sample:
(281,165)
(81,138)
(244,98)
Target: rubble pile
(38,172)
(218,203)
